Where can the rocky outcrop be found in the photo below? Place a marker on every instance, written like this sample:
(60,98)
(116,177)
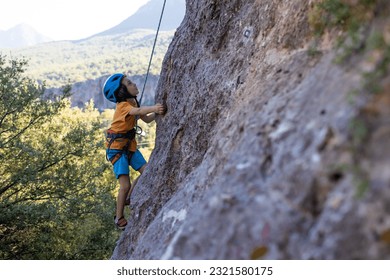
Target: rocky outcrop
(83,92)
(267,150)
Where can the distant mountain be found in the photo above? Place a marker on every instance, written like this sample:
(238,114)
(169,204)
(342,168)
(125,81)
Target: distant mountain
(22,35)
(124,48)
(147,17)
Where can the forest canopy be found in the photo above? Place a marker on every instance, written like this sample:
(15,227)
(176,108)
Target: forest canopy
(57,191)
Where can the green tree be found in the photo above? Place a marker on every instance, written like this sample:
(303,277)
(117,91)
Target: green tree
(56,190)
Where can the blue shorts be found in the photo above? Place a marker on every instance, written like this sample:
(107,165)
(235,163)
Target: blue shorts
(121,166)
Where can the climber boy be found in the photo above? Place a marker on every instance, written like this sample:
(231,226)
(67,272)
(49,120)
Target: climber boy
(121,145)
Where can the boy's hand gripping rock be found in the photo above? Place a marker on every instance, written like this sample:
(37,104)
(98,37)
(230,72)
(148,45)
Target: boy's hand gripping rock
(159,109)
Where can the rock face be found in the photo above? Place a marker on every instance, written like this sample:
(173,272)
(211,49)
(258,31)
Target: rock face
(266,151)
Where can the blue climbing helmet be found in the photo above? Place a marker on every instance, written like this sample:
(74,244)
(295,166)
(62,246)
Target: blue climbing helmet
(111,86)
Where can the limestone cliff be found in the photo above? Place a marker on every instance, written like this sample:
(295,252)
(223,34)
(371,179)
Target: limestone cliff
(269,149)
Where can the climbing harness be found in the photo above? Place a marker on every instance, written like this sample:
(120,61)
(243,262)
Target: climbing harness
(112,136)
(151,55)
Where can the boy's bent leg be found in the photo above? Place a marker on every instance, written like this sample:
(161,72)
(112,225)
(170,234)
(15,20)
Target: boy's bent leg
(141,170)
(138,163)
(124,182)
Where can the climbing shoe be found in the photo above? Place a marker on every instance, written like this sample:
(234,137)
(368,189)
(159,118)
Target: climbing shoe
(120,223)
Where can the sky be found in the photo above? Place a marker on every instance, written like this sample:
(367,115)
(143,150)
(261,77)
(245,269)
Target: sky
(67,19)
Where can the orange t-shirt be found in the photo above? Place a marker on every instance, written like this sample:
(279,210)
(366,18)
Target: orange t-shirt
(122,123)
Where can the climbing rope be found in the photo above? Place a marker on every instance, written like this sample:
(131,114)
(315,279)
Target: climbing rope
(151,55)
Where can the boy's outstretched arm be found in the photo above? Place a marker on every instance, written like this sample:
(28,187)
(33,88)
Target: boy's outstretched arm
(144,112)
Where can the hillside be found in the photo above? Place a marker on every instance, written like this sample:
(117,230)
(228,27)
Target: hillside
(275,143)
(85,64)
(66,61)
(21,35)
